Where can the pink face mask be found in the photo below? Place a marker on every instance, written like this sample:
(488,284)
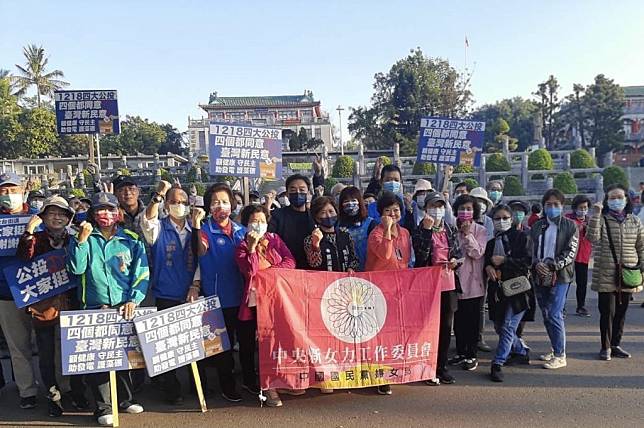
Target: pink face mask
(465,215)
(220,213)
(106,218)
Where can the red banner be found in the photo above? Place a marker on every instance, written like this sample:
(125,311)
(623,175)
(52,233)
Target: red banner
(332,330)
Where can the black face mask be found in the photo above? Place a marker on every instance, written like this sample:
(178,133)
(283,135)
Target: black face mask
(297,199)
(328,221)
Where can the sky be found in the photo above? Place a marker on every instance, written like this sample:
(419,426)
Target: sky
(166,57)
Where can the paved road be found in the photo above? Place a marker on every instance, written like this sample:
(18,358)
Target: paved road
(588,393)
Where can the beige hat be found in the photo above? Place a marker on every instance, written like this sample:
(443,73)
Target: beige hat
(57,201)
(481,193)
(422,185)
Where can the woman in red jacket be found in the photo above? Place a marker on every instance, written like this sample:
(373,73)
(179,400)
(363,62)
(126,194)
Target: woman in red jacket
(260,250)
(580,206)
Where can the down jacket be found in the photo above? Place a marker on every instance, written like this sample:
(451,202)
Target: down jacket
(629,248)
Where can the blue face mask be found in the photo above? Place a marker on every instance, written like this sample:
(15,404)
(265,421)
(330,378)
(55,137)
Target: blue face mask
(495,195)
(80,217)
(297,199)
(328,221)
(392,186)
(351,208)
(553,212)
(617,205)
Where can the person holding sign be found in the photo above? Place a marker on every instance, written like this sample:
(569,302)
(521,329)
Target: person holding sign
(114,273)
(260,250)
(215,245)
(16,323)
(436,244)
(173,260)
(56,216)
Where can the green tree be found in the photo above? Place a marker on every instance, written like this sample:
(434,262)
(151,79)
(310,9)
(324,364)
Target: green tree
(38,136)
(549,104)
(540,159)
(519,114)
(566,183)
(497,163)
(137,135)
(10,126)
(604,103)
(302,142)
(512,186)
(34,73)
(343,167)
(363,127)
(463,169)
(174,141)
(614,175)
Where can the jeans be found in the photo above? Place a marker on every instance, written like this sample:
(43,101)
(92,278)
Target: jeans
(552,301)
(509,342)
(612,310)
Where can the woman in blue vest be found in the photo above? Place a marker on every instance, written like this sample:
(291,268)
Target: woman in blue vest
(215,245)
(173,260)
(354,219)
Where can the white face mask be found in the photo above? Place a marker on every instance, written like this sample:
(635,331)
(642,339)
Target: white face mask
(436,213)
(178,210)
(283,200)
(420,202)
(37,204)
(502,225)
(259,228)
(12,201)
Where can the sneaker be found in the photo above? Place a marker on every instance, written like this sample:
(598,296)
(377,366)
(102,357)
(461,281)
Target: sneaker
(446,378)
(55,409)
(232,396)
(618,352)
(484,347)
(583,312)
(105,420)
(496,373)
(326,390)
(131,408)
(252,389)
(456,360)
(556,363)
(604,355)
(293,392)
(524,343)
(470,364)
(433,382)
(517,359)
(547,357)
(384,390)
(28,402)
(273,398)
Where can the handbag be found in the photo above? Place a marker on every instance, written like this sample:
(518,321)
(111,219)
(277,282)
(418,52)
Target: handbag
(46,312)
(627,276)
(514,286)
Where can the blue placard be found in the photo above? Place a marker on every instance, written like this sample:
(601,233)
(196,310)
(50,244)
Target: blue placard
(40,278)
(450,141)
(99,340)
(245,151)
(11,227)
(87,112)
(181,335)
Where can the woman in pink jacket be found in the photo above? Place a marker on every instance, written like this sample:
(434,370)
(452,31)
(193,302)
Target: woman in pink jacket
(260,250)
(472,238)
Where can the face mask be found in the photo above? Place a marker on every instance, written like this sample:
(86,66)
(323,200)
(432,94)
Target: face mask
(237,210)
(106,218)
(179,211)
(502,225)
(482,208)
(37,205)
(495,195)
(80,217)
(553,212)
(220,213)
(11,202)
(465,215)
(581,213)
(519,216)
(255,203)
(436,213)
(297,199)
(617,205)
(420,201)
(328,221)
(351,208)
(392,186)
(283,200)
(258,228)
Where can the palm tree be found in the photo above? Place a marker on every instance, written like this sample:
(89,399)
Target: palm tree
(34,73)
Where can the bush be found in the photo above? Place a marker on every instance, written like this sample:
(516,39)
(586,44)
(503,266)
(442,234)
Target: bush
(124,172)
(614,175)
(423,168)
(496,163)
(581,159)
(88,177)
(165,175)
(79,193)
(513,186)
(385,160)
(328,184)
(540,159)
(463,169)
(472,182)
(343,167)
(566,183)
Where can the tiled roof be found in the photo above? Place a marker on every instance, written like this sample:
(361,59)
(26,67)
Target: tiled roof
(634,91)
(268,101)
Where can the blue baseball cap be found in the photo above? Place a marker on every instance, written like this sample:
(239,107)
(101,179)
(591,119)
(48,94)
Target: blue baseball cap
(104,199)
(10,178)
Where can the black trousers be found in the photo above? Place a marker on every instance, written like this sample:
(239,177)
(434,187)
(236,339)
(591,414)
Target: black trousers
(169,381)
(612,314)
(467,326)
(99,383)
(581,279)
(448,306)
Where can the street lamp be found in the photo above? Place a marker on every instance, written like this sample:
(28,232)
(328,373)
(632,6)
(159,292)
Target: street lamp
(340,109)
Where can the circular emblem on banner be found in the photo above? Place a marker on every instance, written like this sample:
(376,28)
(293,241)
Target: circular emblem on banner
(221,241)
(353,309)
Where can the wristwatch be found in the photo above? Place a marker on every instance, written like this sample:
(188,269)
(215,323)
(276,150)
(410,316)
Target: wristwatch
(157,198)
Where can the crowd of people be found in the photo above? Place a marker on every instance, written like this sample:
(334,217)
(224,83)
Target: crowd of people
(509,258)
